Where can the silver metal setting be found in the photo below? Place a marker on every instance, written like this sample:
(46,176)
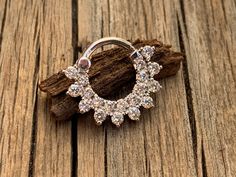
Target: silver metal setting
(130,105)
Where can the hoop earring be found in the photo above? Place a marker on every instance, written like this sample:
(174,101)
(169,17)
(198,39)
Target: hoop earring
(130,105)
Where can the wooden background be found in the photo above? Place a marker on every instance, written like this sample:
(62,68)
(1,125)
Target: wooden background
(192,131)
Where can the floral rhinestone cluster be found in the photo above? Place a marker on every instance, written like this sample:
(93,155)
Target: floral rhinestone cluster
(130,105)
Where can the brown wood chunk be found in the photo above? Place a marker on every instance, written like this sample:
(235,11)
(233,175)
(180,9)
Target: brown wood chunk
(111,69)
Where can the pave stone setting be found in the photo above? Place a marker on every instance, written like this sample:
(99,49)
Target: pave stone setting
(130,105)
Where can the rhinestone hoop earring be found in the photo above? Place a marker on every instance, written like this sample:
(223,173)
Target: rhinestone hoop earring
(130,105)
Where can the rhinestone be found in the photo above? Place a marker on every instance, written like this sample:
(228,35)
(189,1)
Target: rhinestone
(141,89)
(71,72)
(142,76)
(140,64)
(122,106)
(84,106)
(75,90)
(148,52)
(153,68)
(97,102)
(117,119)
(134,100)
(134,113)
(88,93)
(100,116)
(154,85)
(147,102)
(83,79)
(110,107)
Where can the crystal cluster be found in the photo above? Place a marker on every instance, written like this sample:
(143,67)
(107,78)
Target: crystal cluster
(130,105)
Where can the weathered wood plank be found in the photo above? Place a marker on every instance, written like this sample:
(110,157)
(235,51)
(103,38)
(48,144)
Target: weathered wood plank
(53,151)
(208,29)
(90,138)
(160,144)
(18,78)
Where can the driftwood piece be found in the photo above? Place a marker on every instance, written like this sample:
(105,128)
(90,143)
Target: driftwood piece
(111,70)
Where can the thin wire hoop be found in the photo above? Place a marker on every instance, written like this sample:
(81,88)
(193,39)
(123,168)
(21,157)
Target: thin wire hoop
(106,41)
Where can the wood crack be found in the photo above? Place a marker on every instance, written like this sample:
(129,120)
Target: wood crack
(3,24)
(189,97)
(204,169)
(74,129)
(35,120)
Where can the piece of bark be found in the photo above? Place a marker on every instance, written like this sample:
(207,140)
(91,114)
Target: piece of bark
(110,71)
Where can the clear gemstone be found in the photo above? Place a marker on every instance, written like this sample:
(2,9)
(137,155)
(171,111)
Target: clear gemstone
(142,76)
(75,90)
(71,72)
(147,102)
(100,116)
(134,113)
(117,118)
(110,107)
(98,102)
(153,85)
(88,93)
(153,68)
(148,52)
(140,64)
(134,100)
(83,79)
(84,106)
(141,89)
(122,106)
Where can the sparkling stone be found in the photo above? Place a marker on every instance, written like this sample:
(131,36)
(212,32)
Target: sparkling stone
(71,72)
(154,85)
(88,93)
(100,116)
(110,107)
(84,63)
(98,102)
(148,52)
(141,89)
(153,68)
(75,90)
(84,106)
(133,100)
(83,79)
(142,76)
(134,113)
(140,64)
(122,106)
(117,119)
(147,102)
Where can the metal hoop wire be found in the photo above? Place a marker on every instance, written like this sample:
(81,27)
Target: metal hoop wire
(106,41)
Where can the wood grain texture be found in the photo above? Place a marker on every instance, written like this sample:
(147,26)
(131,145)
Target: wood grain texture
(209,39)
(90,138)
(160,144)
(52,149)
(18,88)
(191,131)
